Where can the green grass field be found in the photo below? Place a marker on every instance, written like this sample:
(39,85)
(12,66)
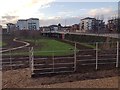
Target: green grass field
(49,47)
(2,44)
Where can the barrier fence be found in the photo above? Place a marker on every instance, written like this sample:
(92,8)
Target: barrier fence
(99,55)
(15,59)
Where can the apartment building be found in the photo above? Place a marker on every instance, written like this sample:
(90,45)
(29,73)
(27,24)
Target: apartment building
(22,24)
(29,24)
(91,25)
(112,25)
(75,28)
(33,24)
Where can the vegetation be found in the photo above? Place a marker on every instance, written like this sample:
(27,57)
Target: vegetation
(85,38)
(48,47)
(2,44)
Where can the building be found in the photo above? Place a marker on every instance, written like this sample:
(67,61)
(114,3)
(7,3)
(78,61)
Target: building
(45,29)
(87,24)
(53,28)
(22,24)
(33,24)
(66,29)
(112,25)
(91,25)
(75,28)
(29,24)
(10,27)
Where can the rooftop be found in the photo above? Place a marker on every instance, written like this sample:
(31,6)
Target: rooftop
(87,18)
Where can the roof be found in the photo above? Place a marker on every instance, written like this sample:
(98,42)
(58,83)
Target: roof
(87,18)
(53,26)
(10,24)
(34,18)
(22,20)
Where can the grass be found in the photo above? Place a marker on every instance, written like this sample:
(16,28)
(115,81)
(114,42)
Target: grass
(48,47)
(2,44)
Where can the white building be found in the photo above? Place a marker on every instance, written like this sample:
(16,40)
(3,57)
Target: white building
(87,24)
(33,24)
(29,24)
(22,24)
(91,25)
(53,28)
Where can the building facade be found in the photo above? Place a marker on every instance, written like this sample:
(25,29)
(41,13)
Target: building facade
(22,24)
(33,24)
(29,24)
(75,28)
(112,25)
(91,25)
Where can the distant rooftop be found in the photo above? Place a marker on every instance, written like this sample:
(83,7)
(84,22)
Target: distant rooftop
(22,20)
(10,24)
(87,18)
(34,18)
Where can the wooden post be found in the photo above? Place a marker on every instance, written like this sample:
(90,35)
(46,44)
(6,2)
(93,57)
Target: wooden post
(117,60)
(10,60)
(96,55)
(32,51)
(75,58)
(53,61)
(31,57)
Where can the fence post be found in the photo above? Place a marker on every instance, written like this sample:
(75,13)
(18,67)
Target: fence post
(53,61)
(117,60)
(96,55)
(75,58)
(10,60)
(31,57)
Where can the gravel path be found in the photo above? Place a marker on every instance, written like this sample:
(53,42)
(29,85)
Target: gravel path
(21,79)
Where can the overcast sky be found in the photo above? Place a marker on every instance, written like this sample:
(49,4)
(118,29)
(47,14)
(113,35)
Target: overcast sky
(56,11)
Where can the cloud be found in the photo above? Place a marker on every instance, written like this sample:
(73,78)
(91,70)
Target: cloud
(21,8)
(53,20)
(100,11)
(39,2)
(45,6)
(9,17)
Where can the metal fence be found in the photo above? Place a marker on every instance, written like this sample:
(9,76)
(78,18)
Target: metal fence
(99,55)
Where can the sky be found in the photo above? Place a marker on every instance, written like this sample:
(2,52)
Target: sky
(66,12)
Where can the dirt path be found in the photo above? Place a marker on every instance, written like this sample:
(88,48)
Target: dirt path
(15,40)
(21,79)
